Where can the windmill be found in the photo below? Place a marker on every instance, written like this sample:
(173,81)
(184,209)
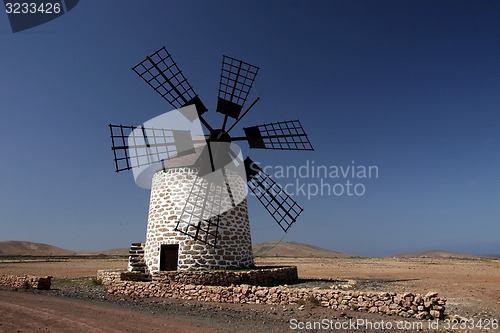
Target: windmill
(198,215)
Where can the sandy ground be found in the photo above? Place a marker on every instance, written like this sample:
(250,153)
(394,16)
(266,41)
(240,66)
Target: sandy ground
(471,286)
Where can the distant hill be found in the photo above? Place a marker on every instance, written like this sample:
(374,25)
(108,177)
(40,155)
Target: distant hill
(266,249)
(434,254)
(294,249)
(122,251)
(23,248)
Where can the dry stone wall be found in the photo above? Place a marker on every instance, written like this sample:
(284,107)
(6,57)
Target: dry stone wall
(169,191)
(406,305)
(26,281)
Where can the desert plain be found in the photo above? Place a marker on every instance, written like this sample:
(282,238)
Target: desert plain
(470,284)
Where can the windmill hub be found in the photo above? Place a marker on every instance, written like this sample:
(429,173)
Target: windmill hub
(219,135)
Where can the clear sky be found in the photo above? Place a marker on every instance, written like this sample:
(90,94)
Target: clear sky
(411,87)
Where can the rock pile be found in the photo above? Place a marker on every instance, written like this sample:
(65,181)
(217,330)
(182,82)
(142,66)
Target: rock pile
(26,281)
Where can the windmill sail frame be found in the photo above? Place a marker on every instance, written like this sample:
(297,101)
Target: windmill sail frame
(143,146)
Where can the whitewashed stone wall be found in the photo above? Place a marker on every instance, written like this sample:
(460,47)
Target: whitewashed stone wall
(169,191)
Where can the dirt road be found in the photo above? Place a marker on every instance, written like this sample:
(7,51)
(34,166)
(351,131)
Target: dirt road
(33,311)
(22,312)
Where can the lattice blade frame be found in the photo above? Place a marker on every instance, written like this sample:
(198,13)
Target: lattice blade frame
(283,209)
(236,80)
(210,198)
(139,146)
(161,73)
(283,135)
(201,215)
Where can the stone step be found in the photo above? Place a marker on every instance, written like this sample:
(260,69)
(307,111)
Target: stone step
(136,259)
(137,269)
(135,256)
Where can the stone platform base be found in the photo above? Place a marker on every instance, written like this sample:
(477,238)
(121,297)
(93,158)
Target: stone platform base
(263,276)
(234,287)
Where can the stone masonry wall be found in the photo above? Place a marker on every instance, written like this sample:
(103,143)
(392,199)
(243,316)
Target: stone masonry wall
(272,276)
(109,276)
(169,191)
(256,277)
(26,281)
(406,305)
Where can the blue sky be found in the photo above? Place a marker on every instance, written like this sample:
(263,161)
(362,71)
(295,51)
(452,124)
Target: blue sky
(411,87)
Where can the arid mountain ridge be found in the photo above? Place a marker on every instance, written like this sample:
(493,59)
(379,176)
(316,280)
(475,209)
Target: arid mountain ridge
(265,249)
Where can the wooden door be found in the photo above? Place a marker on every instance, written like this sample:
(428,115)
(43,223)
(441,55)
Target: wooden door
(168,257)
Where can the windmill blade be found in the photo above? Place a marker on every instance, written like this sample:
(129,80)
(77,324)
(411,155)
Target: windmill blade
(139,146)
(283,135)
(271,195)
(161,73)
(236,80)
(201,215)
